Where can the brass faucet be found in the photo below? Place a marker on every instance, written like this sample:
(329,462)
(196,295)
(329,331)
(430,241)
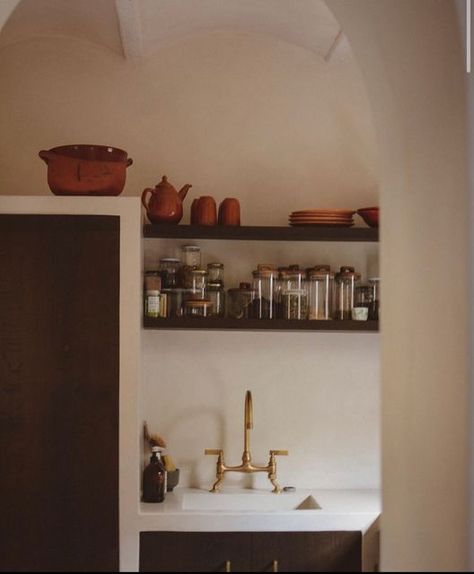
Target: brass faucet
(246,465)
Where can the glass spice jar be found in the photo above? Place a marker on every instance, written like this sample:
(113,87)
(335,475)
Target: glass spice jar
(191,256)
(169,272)
(239,301)
(197,308)
(345,290)
(175,299)
(215,273)
(216,295)
(264,283)
(320,292)
(294,303)
(374,307)
(290,278)
(196,280)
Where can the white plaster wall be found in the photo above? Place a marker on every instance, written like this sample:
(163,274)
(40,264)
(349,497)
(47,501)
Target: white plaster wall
(235,115)
(411,56)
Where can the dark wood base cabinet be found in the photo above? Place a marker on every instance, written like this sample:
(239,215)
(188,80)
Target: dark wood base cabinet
(250,552)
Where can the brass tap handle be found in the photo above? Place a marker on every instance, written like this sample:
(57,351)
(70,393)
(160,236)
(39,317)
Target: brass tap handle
(214,451)
(275,566)
(228,566)
(278,453)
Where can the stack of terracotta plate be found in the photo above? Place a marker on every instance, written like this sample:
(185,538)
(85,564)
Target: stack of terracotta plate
(323,217)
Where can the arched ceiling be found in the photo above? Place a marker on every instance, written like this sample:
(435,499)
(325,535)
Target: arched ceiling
(136,28)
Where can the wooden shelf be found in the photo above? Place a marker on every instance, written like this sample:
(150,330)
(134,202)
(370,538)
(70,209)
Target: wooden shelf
(265,233)
(221,324)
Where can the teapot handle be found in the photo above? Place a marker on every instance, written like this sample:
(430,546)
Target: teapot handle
(144,200)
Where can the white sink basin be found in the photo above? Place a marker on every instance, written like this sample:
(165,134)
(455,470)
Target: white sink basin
(249,502)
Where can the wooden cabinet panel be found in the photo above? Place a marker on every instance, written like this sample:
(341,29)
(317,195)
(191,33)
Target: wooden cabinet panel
(195,551)
(251,551)
(59,391)
(307,551)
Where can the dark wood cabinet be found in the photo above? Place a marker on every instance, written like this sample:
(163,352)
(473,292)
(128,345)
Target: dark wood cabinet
(250,551)
(59,392)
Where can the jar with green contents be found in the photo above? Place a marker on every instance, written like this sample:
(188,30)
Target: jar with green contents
(292,298)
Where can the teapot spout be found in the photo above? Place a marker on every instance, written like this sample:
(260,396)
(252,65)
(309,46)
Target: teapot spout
(184,191)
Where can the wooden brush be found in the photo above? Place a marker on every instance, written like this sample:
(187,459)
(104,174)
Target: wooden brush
(153,439)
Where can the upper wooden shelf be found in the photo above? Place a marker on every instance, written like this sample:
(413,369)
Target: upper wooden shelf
(262,233)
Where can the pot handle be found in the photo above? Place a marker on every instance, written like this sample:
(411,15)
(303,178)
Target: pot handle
(46,155)
(144,200)
(129,162)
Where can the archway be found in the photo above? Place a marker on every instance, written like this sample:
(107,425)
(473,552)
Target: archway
(424,342)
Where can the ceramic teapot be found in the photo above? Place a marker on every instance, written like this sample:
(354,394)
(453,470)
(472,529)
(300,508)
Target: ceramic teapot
(164,204)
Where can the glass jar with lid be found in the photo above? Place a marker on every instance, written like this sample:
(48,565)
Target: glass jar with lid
(374,307)
(197,308)
(320,292)
(239,301)
(265,279)
(196,280)
(215,273)
(191,255)
(169,272)
(292,295)
(216,295)
(346,281)
(294,303)
(175,299)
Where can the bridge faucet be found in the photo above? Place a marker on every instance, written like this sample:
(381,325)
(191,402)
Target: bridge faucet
(246,466)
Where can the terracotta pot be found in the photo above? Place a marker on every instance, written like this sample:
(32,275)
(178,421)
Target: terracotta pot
(204,211)
(229,212)
(86,169)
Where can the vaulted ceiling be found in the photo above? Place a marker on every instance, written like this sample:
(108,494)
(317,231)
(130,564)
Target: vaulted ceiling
(138,28)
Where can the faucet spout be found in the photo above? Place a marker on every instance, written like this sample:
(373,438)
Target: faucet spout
(248,424)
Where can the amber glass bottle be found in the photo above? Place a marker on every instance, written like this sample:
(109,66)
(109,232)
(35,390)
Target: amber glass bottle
(154,478)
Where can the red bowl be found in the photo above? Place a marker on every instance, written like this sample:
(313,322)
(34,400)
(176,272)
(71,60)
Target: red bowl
(370,215)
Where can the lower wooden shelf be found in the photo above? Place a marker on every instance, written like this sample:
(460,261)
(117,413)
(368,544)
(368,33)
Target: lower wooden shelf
(225,324)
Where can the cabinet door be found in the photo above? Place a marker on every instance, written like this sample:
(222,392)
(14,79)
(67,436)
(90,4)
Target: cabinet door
(307,551)
(59,385)
(195,551)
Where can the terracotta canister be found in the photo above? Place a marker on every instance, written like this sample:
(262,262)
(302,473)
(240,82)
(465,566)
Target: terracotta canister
(204,211)
(229,212)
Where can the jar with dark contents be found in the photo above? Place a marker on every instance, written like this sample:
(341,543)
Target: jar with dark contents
(346,281)
(239,301)
(264,305)
(169,267)
(374,307)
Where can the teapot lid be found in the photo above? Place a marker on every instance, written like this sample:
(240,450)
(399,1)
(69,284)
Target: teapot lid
(164,183)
